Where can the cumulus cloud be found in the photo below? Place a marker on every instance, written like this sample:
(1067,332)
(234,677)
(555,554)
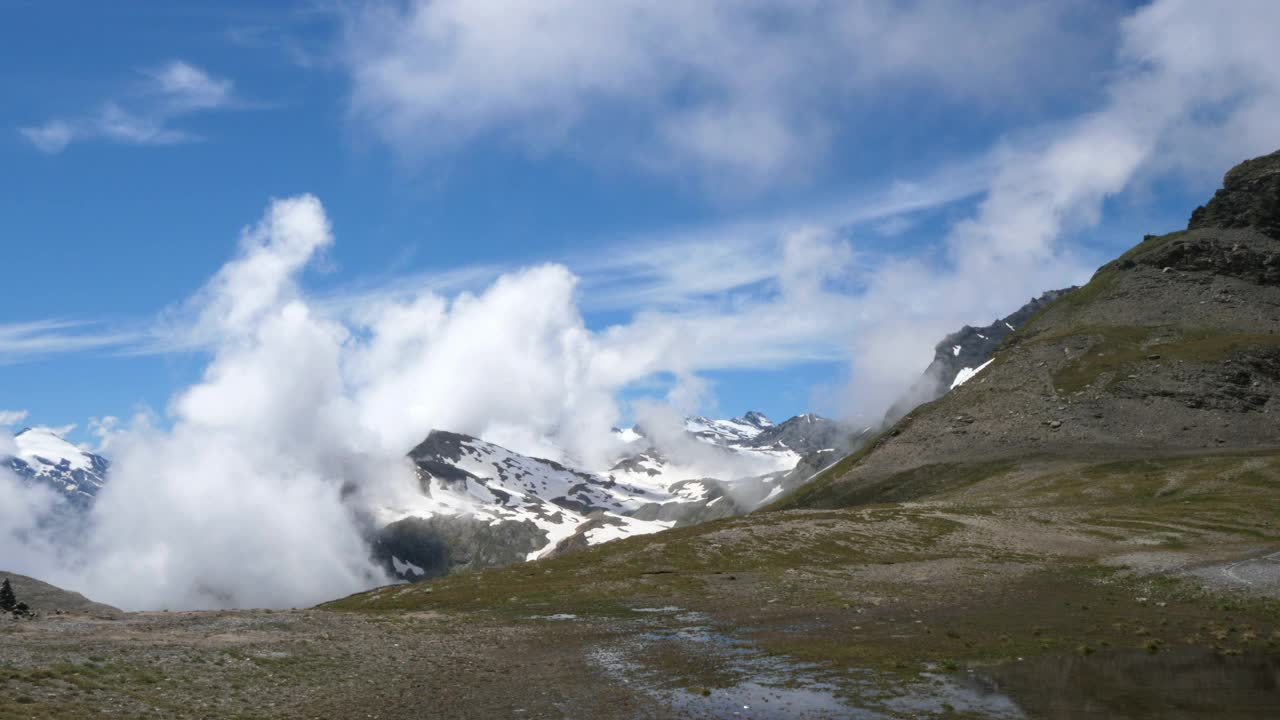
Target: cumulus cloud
(258,486)
(252,494)
(142,117)
(737,92)
(11,417)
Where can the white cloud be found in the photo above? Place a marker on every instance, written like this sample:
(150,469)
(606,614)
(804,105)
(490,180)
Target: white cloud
(731,296)
(257,491)
(12,417)
(26,341)
(28,523)
(51,137)
(186,87)
(144,116)
(250,496)
(735,92)
(119,125)
(104,428)
(1195,92)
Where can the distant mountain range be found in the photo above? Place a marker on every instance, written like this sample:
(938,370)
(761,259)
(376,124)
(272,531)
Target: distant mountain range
(479,504)
(483,505)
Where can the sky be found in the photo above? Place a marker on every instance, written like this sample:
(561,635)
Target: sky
(255,252)
(541,216)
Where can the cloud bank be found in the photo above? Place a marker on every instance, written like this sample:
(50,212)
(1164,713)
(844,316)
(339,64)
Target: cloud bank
(732,92)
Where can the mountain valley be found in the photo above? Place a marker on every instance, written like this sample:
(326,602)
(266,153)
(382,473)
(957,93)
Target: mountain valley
(1081,519)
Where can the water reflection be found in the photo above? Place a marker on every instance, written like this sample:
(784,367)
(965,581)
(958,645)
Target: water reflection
(1172,684)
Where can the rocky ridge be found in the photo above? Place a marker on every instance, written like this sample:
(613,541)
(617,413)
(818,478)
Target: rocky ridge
(1171,348)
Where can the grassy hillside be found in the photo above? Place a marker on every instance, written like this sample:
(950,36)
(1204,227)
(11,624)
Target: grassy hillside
(1107,490)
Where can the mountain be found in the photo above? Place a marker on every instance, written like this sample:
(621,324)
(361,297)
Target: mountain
(957,358)
(46,599)
(483,505)
(45,457)
(1087,527)
(964,353)
(1170,348)
(739,430)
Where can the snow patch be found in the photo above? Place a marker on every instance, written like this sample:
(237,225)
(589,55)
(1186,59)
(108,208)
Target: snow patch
(404,567)
(967,374)
(41,447)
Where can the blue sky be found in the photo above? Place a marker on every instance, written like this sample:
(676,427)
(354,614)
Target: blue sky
(787,203)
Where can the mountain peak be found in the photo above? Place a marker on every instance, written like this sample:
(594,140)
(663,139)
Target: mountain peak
(44,456)
(754,418)
(1249,197)
(47,444)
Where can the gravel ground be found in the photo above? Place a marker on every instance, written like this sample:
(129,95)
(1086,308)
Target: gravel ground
(300,664)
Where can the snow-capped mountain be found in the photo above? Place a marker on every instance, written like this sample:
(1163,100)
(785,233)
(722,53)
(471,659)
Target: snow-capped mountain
(478,504)
(481,504)
(728,432)
(43,456)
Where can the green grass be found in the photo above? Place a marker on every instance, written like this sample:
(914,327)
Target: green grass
(849,588)
(1088,293)
(1117,351)
(918,482)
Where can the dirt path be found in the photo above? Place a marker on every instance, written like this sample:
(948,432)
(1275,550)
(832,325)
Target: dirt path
(1258,574)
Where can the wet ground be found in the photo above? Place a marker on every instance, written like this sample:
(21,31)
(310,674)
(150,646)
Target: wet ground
(655,662)
(750,683)
(1182,683)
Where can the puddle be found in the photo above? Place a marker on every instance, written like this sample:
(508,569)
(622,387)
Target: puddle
(681,660)
(557,616)
(744,682)
(1173,684)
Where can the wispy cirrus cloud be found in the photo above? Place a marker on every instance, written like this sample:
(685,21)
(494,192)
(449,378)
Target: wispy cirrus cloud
(144,116)
(31,340)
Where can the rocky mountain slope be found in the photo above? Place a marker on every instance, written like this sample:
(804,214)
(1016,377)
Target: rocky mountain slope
(482,505)
(485,506)
(963,354)
(1173,348)
(1088,527)
(46,458)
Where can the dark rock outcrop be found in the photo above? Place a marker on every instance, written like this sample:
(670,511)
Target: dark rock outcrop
(1249,198)
(804,434)
(419,548)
